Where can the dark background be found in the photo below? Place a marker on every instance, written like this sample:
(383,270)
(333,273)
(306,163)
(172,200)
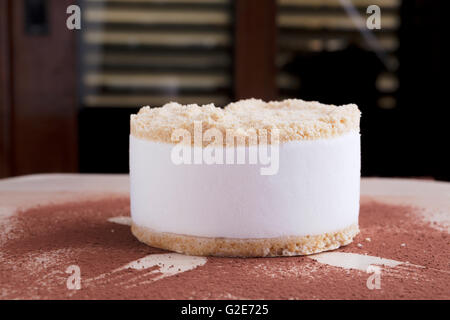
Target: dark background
(48,123)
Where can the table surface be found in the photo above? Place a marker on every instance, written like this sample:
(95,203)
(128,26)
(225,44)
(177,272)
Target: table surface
(67,236)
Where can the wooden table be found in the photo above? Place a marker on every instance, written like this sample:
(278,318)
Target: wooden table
(67,236)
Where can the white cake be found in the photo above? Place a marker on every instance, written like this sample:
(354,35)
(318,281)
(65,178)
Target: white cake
(304,200)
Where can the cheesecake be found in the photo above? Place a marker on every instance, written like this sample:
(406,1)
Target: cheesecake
(252,179)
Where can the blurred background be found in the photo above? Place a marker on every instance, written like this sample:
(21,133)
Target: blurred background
(66,95)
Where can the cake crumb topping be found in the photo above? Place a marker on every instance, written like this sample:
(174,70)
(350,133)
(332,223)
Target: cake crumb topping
(292,119)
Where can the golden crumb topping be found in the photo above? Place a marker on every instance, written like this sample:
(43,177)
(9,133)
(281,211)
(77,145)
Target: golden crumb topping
(289,120)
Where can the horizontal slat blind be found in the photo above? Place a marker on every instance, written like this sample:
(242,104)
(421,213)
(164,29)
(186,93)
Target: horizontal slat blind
(150,52)
(323,25)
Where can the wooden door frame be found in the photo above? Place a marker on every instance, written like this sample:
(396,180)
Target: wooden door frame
(5,89)
(38,87)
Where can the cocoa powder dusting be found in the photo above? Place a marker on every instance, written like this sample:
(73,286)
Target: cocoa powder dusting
(41,243)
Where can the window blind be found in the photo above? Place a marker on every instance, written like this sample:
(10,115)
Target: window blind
(149,52)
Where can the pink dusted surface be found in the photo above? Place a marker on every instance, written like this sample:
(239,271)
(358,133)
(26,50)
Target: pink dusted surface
(40,241)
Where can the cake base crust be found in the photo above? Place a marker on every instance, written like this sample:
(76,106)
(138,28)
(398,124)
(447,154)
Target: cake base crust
(231,247)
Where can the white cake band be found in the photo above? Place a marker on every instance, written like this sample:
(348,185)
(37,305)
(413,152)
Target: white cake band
(316,190)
